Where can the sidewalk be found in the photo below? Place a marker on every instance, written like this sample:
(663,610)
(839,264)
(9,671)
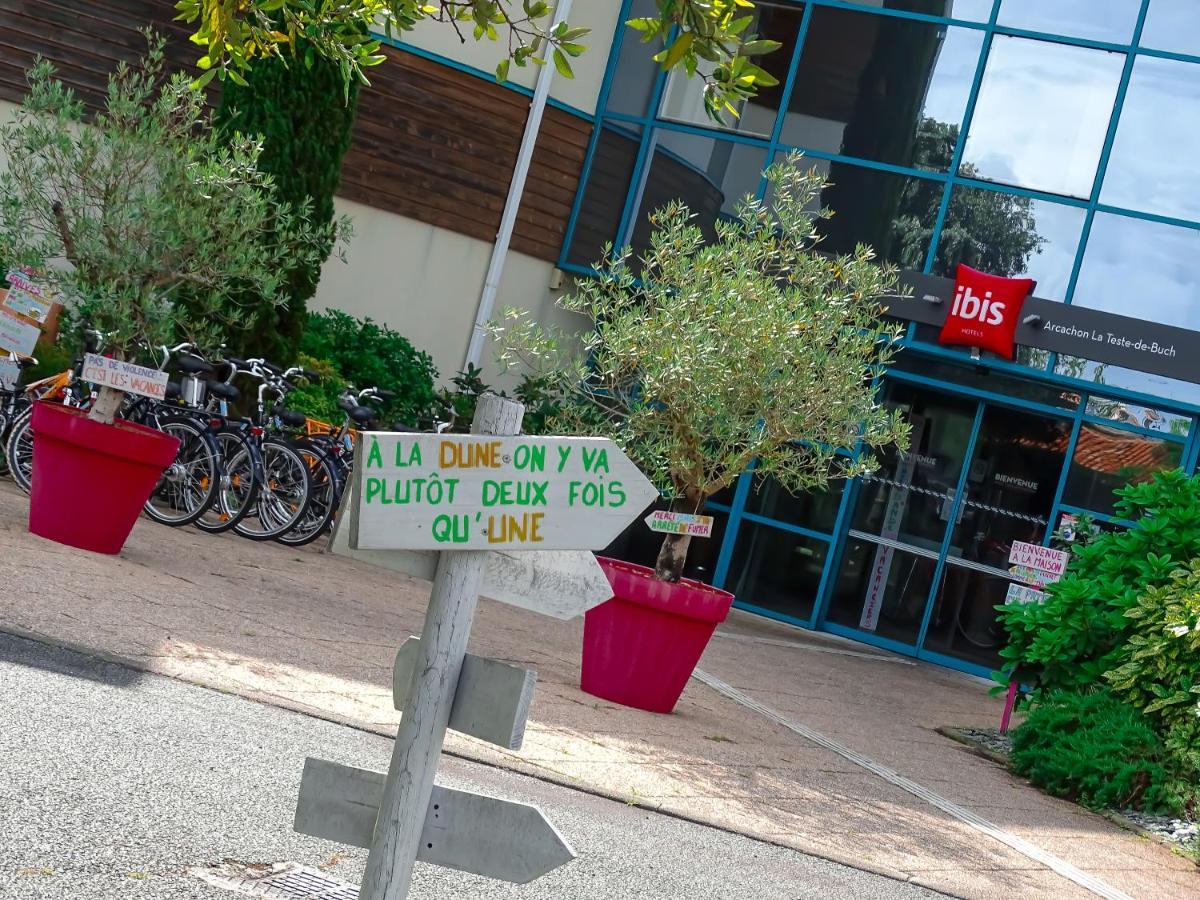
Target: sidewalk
(316,633)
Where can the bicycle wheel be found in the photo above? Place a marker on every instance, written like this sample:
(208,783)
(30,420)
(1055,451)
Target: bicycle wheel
(323,499)
(283,495)
(189,485)
(241,475)
(18,450)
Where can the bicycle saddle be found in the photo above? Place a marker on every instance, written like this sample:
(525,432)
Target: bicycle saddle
(194,365)
(25,362)
(361,414)
(222,390)
(173,390)
(290,417)
(237,363)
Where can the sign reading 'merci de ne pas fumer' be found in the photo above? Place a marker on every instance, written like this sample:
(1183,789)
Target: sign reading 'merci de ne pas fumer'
(475,492)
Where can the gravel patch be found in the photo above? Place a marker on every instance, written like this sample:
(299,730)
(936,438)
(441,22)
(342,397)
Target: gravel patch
(989,738)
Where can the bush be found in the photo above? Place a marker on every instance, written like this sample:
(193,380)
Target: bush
(1096,749)
(1159,670)
(1077,635)
(365,355)
(318,399)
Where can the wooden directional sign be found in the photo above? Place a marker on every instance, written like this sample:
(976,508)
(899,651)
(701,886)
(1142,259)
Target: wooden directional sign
(557,583)
(469,832)
(491,701)
(483,492)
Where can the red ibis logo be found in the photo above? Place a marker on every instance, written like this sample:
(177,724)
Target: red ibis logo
(985,311)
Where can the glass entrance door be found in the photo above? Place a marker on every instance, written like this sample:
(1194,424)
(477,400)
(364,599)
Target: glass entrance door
(895,542)
(926,554)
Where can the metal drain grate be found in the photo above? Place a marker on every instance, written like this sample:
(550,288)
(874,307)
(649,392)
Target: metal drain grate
(282,881)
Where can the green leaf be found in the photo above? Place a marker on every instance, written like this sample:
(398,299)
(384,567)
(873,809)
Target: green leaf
(562,64)
(759,47)
(502,70)
(677,50)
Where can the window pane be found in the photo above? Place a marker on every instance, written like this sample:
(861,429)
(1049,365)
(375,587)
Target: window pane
(604,195)
(971,376)
(1108,458)
(881,88)
(1042,115)
(709,175)
(684,97)
(777,570)
(1172,25)
(963,622)
(1143,269)
(1100,20)
(635,72)
(1013,236)
(1129,379)
(816,510)
(1143,416)
(1153,164)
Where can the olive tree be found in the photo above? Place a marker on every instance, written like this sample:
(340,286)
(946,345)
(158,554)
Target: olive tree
(752,347)
(143,203)
(710,39)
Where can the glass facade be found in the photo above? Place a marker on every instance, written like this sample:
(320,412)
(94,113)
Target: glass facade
(1056,141)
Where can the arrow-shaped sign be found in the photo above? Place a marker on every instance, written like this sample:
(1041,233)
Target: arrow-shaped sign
(558,583)
(469,832)
(483,492)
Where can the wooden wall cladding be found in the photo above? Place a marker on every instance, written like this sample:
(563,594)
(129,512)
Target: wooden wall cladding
(431,142)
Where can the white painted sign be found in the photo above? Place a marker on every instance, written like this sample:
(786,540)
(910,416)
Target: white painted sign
(680,523)
(1035,556)
(1020,593)
(9,373)
(480,492)
(562,584)
(124,376)
(16,334)
(469,832)
(27,297)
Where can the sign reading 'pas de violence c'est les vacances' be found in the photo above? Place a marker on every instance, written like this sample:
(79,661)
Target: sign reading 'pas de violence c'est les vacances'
(475,492)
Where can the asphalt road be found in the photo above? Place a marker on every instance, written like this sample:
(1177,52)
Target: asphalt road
(118,784)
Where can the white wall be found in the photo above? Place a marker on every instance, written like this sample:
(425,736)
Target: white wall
(580,92)
(424,282)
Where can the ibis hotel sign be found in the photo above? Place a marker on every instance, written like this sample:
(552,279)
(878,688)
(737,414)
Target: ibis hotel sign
(1092,334)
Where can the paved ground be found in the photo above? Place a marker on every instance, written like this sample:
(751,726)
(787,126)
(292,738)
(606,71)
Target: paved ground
(317,633)
(136,779)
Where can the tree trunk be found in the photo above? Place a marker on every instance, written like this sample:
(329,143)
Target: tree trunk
(108,402)
(672,557)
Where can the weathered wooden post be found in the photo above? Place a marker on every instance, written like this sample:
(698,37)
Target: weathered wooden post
(510,514)
(422,731)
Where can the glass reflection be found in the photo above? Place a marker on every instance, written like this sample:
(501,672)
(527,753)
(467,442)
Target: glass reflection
(1107,458)
(1172,25)
(777,570)
(1129,379)
(604,196)
(1100,20)
(880,88)
(1042,114)
(635,73)
(1011,236)
(882,590)
(1153,162)
(816,510)
(1141,416)
(709,175)
(1147,270)
(964,619)
(683,99)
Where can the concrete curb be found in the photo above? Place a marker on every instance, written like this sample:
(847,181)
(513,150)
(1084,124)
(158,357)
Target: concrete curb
(547,776)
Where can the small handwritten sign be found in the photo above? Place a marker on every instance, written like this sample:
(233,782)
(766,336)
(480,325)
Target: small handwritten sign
(124,376)
(9,373)
(17,334)
(1020,593)
(27,297)
(680,523)
(1035,556)
(474,492)
(1034,577)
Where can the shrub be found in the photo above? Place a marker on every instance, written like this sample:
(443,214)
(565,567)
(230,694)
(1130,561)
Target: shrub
(1096,749)
(366,354)
(1072,639)
(318,398)
(1159,670)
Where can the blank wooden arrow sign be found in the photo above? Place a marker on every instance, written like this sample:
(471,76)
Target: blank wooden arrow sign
(485,492)
(557,583)
(469,832)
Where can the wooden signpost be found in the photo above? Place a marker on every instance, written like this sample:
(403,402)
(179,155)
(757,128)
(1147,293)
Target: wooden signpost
(468,495)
